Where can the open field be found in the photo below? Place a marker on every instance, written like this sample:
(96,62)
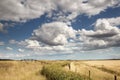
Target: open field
(99,70)
(31,70)
(21,70)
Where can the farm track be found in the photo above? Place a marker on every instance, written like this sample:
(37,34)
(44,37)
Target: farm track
(96,72)
(104,69)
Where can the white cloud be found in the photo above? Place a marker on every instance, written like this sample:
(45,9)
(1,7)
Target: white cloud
(61,38)
(9,48)
(102,25)
(17,10)
(78,7)
(21,50)
(104,35)
(96,6)
(27,43)
(114,21)
(55,36)
(58,37)
(55,33)
(32,43)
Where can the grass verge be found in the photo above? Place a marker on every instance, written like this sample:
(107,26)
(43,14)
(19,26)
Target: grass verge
(56,72)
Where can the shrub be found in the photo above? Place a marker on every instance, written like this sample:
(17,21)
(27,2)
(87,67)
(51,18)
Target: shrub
(56,72)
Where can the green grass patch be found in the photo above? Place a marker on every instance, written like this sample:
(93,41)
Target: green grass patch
(56,72)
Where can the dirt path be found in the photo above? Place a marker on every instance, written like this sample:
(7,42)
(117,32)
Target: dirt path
(95,73)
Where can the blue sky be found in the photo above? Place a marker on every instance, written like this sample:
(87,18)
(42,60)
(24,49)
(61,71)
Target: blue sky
(41,29)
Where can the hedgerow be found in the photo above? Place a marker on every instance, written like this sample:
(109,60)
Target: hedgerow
(56,72)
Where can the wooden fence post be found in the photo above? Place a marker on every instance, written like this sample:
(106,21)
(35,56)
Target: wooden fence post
(115,77)
(89,75)
(69,66)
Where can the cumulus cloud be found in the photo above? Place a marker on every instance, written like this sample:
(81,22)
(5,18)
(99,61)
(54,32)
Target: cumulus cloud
(69,48)
(55,33)
(78,7)
(51,38)
(22,10)
(18,10)
(91,7)
(59,35)
(29,44)
(32,43)
(114,21)
(104,35)
(9,48)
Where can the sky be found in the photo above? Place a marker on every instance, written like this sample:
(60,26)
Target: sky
(60,30)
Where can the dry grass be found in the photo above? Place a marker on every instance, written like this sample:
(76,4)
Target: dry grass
(96,69)
(21,70)
(30,70)
(113,65)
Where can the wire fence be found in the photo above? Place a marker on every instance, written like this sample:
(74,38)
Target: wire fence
(90,74)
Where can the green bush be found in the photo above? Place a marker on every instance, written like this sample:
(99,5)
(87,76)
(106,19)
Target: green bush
(56,72)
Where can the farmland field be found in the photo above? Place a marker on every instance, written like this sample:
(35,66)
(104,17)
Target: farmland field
(99,70)
(21,70)
(31,70)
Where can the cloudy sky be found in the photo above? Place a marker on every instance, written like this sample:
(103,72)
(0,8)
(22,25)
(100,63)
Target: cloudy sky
(64,29)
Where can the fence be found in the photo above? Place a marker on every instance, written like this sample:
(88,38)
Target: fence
(89,76)
(74,69)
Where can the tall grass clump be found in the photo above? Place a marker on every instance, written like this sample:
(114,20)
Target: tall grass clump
(56,72)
